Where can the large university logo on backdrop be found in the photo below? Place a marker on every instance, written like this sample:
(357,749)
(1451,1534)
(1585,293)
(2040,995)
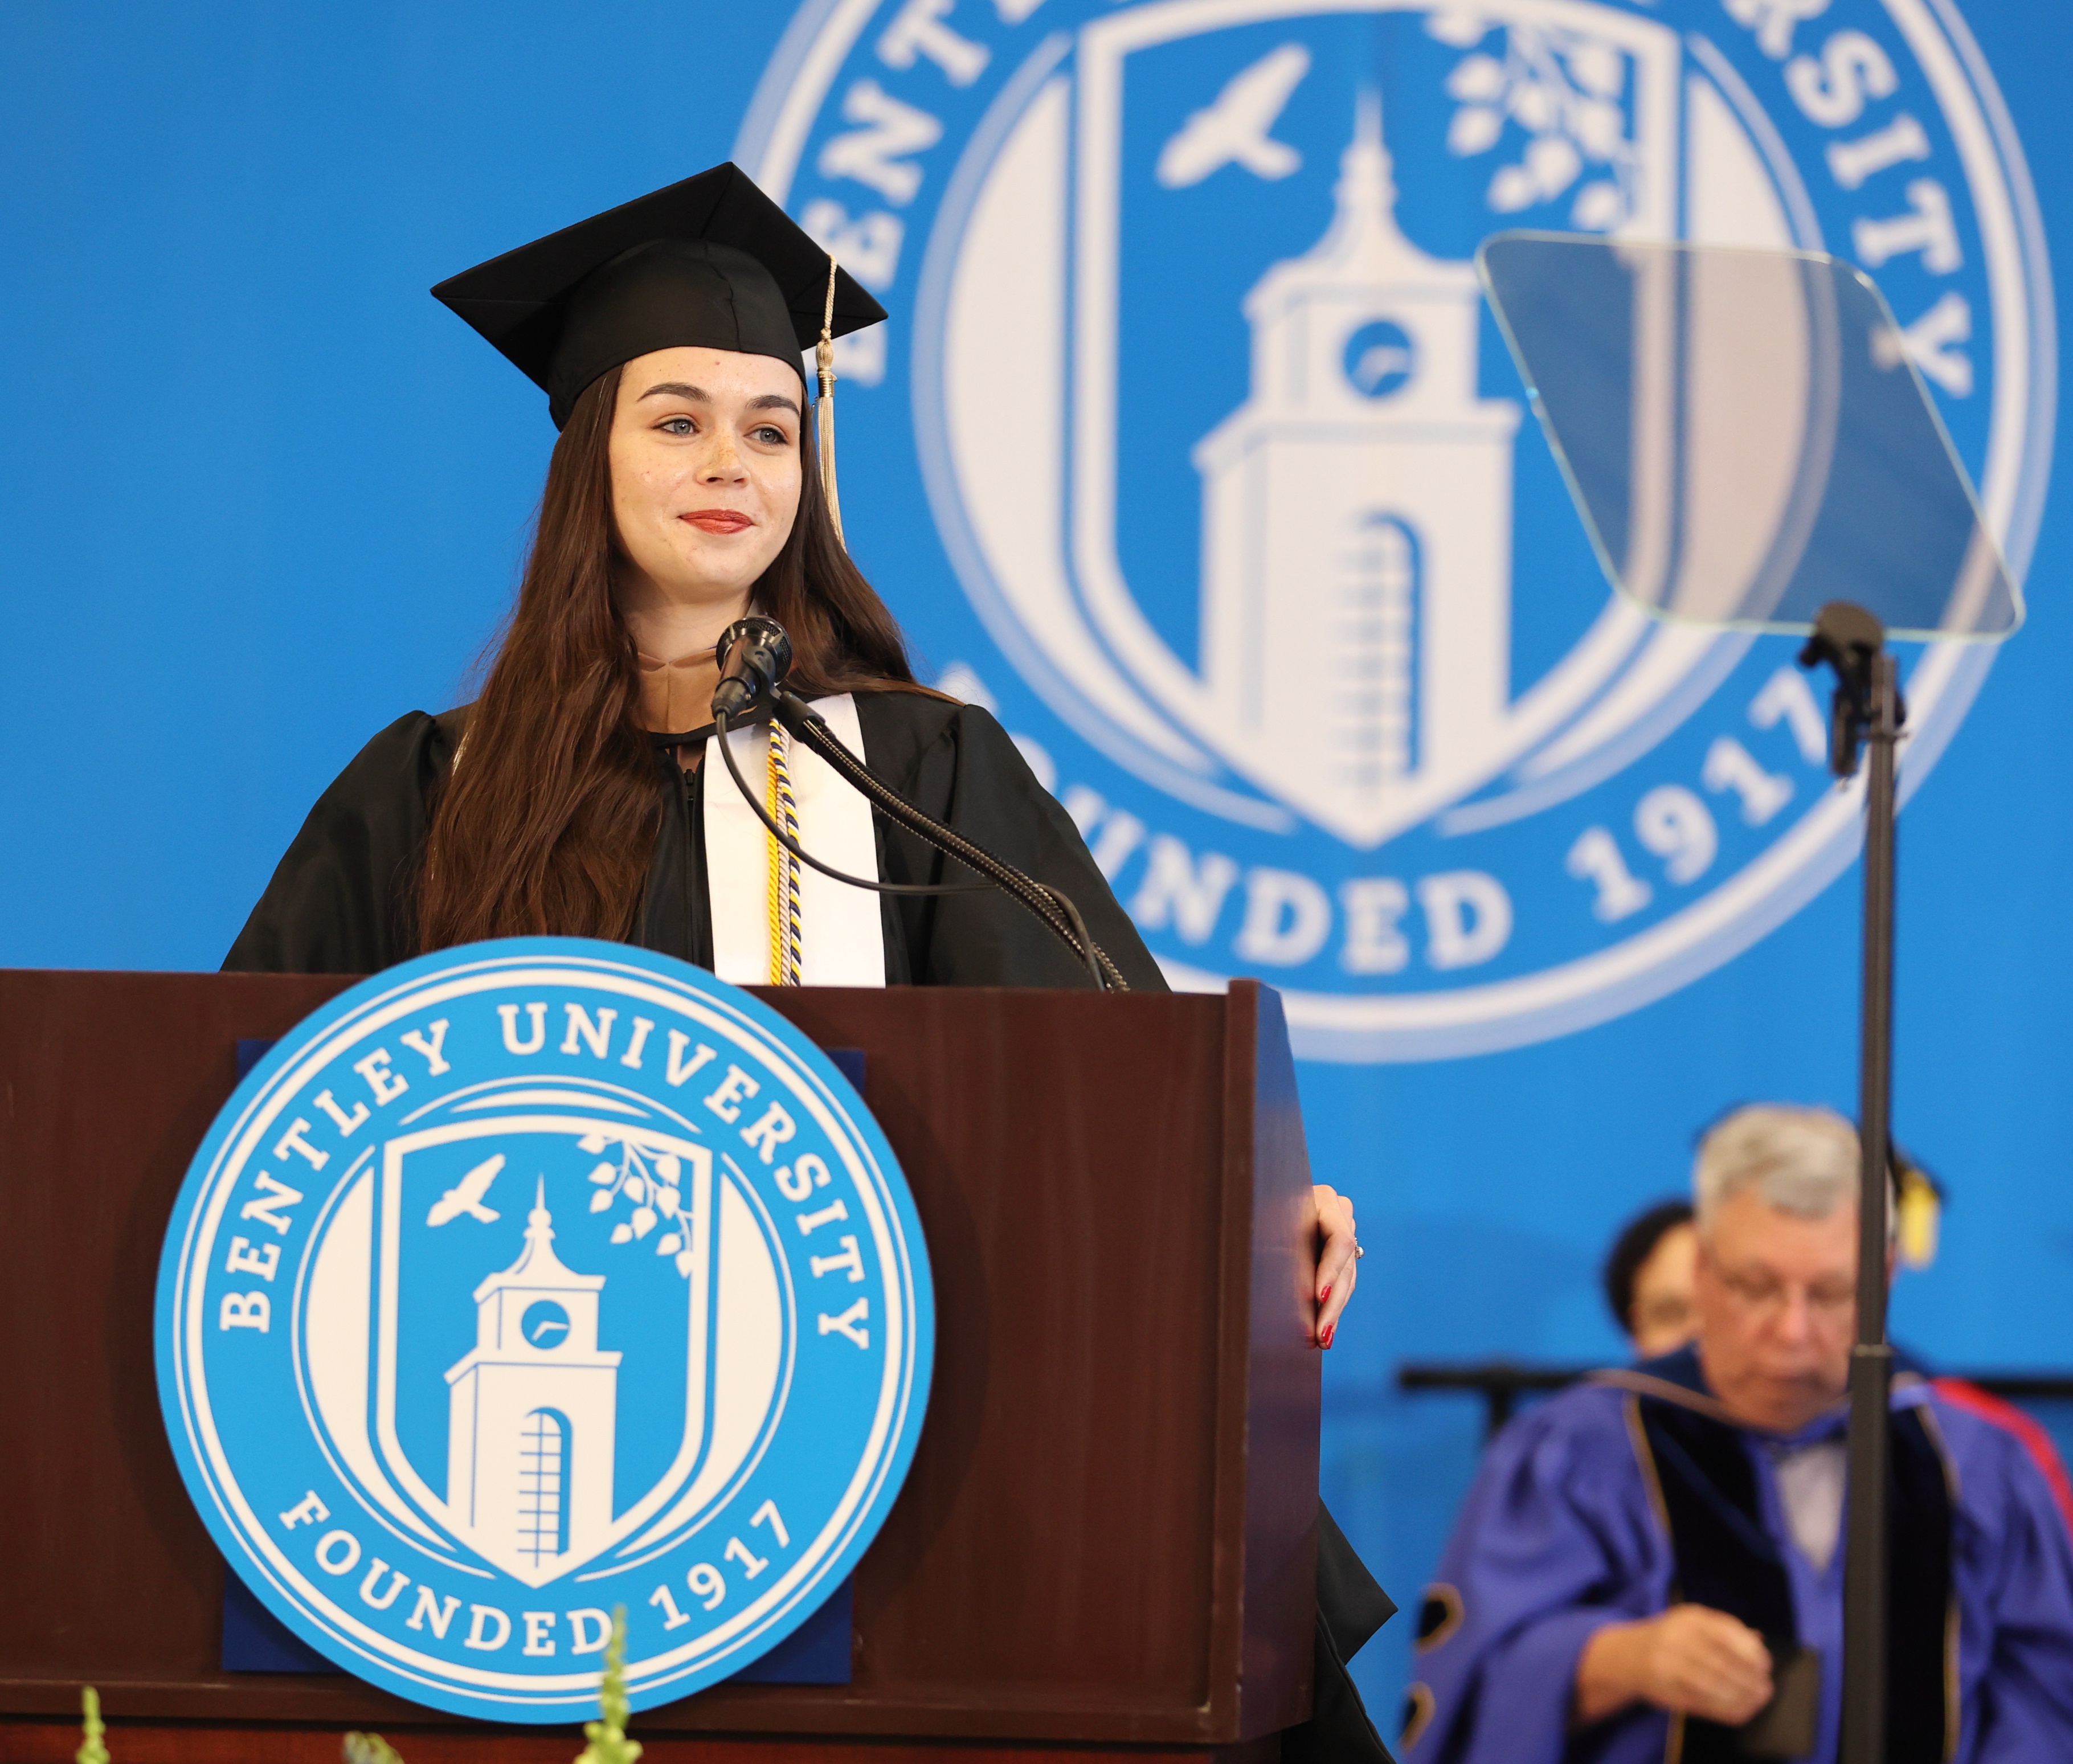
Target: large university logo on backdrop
(1225,455)
(532,1279)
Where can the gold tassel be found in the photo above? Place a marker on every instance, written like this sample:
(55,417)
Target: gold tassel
(1920,1214)
(781,911)
(824,406)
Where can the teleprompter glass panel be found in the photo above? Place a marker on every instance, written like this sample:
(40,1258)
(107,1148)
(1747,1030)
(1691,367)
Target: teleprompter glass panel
(1744,436)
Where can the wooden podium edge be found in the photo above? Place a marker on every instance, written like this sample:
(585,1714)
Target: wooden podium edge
(36,1742)
(1268,1446)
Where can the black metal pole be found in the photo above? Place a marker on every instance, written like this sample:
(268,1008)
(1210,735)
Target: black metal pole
(1864,1710)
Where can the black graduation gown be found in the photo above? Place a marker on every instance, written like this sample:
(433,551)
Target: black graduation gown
(336,904)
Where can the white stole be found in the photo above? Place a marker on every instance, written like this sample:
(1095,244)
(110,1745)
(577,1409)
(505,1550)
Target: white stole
(842,937)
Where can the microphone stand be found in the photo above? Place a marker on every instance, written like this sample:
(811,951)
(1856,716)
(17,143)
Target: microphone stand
(1050,905)
(1867,710)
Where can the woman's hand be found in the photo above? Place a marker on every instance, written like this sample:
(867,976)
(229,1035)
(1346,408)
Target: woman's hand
(1337,1252)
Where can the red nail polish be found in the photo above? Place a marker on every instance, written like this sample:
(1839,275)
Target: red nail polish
(1324,1295)
(1330,1330)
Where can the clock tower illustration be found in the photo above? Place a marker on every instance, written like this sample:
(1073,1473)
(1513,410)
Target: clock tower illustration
(532,1410)
(1358,504)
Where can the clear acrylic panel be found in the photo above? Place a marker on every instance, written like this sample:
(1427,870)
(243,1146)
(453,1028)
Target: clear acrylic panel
(1744,436)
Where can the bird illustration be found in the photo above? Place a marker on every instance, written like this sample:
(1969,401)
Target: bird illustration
(1233,129)
(466,1196)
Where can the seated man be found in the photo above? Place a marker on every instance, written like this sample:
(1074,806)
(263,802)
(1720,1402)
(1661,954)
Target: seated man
(1646,1558)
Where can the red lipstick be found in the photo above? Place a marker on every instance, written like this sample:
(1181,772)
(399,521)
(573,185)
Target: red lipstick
(718,520)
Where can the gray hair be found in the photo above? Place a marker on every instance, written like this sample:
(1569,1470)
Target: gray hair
(1802,1161)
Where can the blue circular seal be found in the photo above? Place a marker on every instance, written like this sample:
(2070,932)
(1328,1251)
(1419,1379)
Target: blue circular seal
(1271,576)
(527,1280)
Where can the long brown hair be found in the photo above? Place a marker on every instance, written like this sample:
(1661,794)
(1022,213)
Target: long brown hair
(547,824)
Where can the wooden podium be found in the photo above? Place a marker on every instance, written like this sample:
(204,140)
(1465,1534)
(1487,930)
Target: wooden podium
(1105,1549)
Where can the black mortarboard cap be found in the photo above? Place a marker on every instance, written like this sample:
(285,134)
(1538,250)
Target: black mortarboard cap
(712,263)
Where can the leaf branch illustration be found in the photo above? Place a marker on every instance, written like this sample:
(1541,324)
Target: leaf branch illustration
(651,1185)
(1564,89)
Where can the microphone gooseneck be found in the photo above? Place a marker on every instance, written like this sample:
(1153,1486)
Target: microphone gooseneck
(1050,905)
(754,655)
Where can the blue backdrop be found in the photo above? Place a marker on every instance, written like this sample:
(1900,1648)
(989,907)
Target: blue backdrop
(262,495)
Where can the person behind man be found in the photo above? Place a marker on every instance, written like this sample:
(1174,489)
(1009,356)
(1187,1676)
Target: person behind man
(1653,1559)
(1647,1279)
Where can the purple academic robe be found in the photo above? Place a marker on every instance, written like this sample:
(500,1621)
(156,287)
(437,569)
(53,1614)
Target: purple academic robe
(1559,1536)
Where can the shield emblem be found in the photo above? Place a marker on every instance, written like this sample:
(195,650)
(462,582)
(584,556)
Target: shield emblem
(546,1328)
(1340,640)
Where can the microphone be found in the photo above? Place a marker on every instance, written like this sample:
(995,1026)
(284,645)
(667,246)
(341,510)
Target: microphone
(754,655)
